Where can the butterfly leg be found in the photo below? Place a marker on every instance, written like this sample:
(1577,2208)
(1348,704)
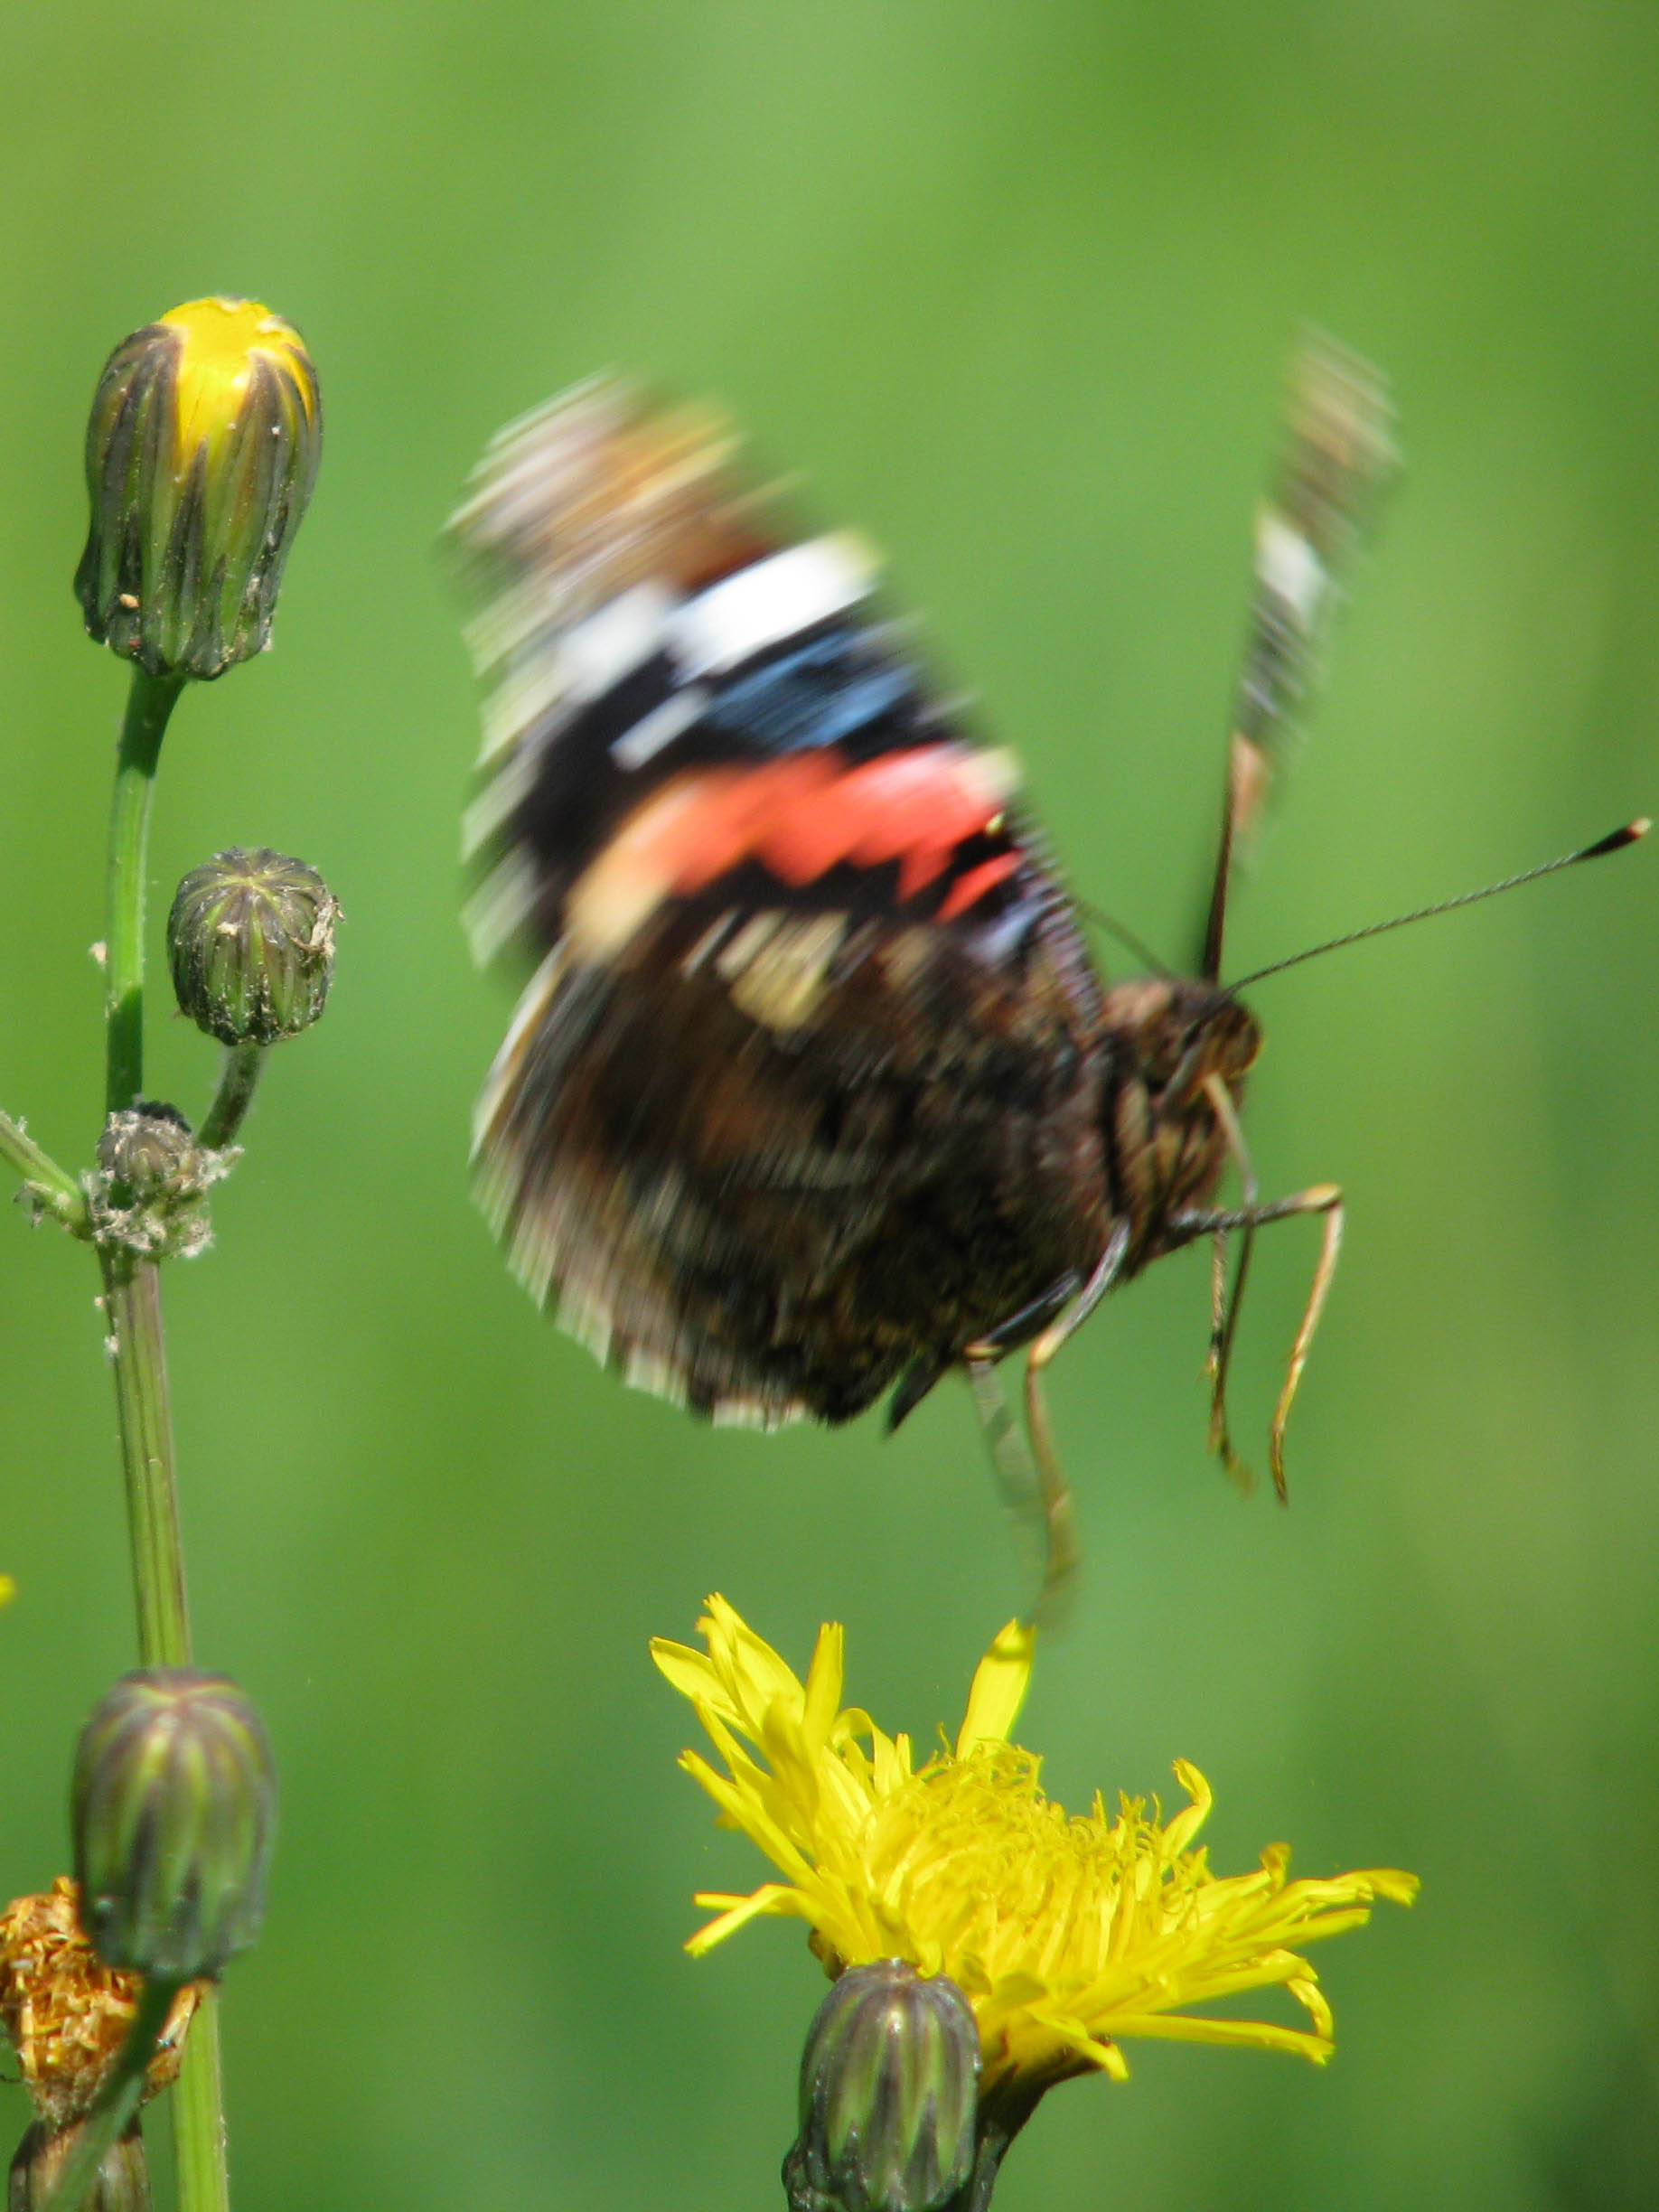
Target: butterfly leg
(1016,1475)
(1029,1469)
(1323,1198)
(1217,1357)
(1224,1307)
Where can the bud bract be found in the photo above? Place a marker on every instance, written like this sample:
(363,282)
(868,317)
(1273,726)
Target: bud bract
(889,2094)
(201,450)
(173,1813)
(121,2183)
(251,942)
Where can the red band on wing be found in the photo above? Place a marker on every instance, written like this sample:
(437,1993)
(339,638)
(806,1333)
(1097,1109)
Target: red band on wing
(798,817)
(801,816)
(969,889)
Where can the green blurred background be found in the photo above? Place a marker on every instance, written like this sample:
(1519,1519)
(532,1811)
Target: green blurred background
(1013,287)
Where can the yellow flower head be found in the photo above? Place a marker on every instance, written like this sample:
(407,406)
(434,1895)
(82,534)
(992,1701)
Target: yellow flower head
(202,448)
(1063,1933)
(226,346)
(67,2013)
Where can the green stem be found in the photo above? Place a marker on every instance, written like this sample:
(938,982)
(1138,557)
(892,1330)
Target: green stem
(244,1064)
(138,1349)
(199,2116)
(149,703)
(54,1186)
(1003,2112)
(133,1315)
(117,2100)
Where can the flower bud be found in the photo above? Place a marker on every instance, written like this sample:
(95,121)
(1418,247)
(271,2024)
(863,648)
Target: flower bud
(67,2013)
(889,2094)
(172,1811)
(150,1150)
(251,942)
(121,2183)
(201,450)
(150,1195)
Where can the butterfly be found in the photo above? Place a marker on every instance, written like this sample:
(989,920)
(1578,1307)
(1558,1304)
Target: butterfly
(816,1092)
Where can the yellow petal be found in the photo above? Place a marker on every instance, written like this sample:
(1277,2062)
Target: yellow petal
(998,1691)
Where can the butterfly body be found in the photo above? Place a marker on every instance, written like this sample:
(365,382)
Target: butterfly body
(816,1092)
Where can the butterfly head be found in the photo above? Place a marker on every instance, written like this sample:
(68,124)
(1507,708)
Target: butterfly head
(1169,1042)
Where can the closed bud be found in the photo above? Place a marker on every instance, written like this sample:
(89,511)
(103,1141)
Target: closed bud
(150,1194)
(173,1813)
(889,2094)
(251,942)
(201,450)
(121,2183)
(149,1151)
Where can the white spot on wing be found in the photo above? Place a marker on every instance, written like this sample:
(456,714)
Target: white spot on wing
(770,600)
(597,653)
(1289,567)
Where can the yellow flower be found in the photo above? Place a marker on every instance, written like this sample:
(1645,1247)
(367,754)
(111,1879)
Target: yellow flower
(202,448)
(1064,1933)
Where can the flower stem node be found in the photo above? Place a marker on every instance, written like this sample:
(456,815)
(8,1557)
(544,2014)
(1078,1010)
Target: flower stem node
(251,942)
(889,2094)
(121,2183)
(173,1813)
(201,450)
(149,1194)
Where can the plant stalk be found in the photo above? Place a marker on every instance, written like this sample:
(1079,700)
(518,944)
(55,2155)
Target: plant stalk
(54,1186)
(149,703)
(137,1345)
(138,1351)
(199,2116)
(244,1064)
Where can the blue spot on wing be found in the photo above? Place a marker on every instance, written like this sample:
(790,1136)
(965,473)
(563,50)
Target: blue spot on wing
(825,692)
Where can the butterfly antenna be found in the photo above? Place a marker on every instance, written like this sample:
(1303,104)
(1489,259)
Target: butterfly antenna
(1616,840)
(1338,453)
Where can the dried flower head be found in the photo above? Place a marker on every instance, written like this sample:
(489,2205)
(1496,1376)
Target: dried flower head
(66,2012)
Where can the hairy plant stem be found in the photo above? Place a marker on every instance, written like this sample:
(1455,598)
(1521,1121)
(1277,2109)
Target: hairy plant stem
(138,1352)
(149,703)
(117,2100)
(244,1064)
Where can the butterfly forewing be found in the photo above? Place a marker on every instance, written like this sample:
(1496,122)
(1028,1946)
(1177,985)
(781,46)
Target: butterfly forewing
(803,1096)
(1337,456)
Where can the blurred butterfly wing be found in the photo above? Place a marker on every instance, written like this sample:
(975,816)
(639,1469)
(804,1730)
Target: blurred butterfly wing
(1338,455)
(808,1013)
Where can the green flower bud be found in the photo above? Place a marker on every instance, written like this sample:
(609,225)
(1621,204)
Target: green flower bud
(251,941)
(889,2094)
(202,451)
(173,1813)
(121,2183)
